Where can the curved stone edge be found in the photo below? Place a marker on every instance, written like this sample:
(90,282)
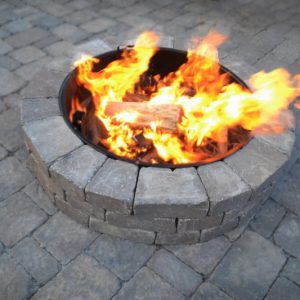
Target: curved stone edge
(199,217)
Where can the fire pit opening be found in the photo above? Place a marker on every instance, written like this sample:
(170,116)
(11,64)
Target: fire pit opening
(145,127)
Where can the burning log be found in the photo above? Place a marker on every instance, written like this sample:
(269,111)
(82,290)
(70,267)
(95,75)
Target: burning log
(139,115)
(130,97)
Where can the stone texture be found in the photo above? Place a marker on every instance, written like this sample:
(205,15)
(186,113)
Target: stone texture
(63,49)
(93,47)
(39,197)
(284,142)
(202,257)
(112,187)
(45,83)
(3,153)
(13,176)
(27,54)
(287,235)
(208,291)
(36,261)
(53,129)
(197,224)
(287,193)
(24,38)
(9,63)
(64,238)
(189,237)
(265,162)
(84,278)
(97,25)
(137,235)
(11,134)
(39,108)
(239,268)
(123,258)
(29,71)
(13,275)
(207,234)
(75,170)
(74,213)
(17,26)
(156,288)
(4,47)
(129,221)
(283,288)
(175,272)
(225,189)
(70,33)
(55,9)
(9,82)
(292,270)
(267,218)
(19,216)
(177,193)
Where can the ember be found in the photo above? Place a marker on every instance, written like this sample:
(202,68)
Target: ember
(196,113)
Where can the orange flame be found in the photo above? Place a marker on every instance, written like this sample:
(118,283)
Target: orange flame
(210,103)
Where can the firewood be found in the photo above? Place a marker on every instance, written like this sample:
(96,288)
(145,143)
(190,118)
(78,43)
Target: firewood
(165,116)
(130,97)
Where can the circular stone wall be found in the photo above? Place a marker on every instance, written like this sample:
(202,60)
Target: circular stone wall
(146,204)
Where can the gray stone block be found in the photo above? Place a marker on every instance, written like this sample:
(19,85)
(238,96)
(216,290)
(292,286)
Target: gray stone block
(27,37)
(258,164)
(83,277)
(50,139)
(63,237)
(146,282)
(197,224)
(76,214)
(11,134)
(33,109)
(137,235)
(38,262)
(45,83)
(283,288)
(287,235)
(39,197)
(202,257)
(190,237)
(267,218)
(287,192)
(123,257)
(74,171)
(208,234)
(225,189)
(130,221)
(27,54)
(9,82)
(174,271)
(15,276)
(284,142)
(292,270)
(13,176)
(166,193)
(208,291)
(43,176)
(19,216)
(112,187)
(93,47)
(245,279)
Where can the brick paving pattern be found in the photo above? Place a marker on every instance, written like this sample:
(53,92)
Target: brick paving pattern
(46,255)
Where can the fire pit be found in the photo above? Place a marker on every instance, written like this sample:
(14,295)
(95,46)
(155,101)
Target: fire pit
(132,166)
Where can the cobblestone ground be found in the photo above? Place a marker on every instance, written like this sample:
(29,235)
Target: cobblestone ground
(45,255)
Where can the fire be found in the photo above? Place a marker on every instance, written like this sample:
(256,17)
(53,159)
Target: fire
(213,109)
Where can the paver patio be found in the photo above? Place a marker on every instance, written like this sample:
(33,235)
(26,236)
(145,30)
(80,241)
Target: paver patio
(46,255)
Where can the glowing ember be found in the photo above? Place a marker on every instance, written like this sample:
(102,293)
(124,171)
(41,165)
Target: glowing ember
(195,114)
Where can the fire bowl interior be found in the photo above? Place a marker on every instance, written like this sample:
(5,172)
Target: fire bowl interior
(146,204)
(166,60)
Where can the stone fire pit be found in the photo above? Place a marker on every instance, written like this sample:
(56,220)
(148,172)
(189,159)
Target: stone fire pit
(146,204)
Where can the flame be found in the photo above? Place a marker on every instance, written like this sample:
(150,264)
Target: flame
(211,104)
